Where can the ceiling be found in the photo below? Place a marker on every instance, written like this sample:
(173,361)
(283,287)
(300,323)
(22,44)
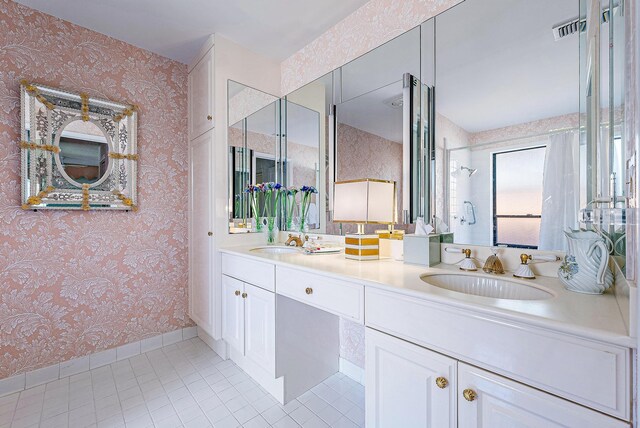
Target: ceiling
(177,29)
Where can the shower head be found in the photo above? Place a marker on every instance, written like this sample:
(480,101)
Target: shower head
(471,170)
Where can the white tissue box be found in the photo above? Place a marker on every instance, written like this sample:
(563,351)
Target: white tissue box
(422,250)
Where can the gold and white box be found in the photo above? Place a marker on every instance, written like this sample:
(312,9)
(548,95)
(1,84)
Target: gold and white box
(362,247)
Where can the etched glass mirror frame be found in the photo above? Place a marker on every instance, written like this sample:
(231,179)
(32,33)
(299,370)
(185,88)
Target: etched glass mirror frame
(45,113)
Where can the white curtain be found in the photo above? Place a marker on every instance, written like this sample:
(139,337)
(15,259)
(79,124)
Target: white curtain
(560,190)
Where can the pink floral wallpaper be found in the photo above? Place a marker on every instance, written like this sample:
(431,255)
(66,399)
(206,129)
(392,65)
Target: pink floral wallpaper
(375,23)
(72,282)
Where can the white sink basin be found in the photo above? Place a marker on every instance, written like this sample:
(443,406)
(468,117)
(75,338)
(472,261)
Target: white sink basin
(497,288)
(277,249)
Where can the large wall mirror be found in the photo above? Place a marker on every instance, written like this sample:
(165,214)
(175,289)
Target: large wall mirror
(504,134)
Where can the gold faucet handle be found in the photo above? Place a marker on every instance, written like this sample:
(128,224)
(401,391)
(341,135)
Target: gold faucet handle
(524,258)
(466,252)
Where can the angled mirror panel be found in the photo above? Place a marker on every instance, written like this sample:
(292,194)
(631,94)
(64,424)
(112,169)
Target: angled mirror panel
(507,123)
(379,129)
(253,138)
(307,116)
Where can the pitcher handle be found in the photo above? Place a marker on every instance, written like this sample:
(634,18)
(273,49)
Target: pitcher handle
(604,260)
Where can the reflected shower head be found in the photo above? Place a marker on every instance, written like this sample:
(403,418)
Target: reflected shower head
(471,170)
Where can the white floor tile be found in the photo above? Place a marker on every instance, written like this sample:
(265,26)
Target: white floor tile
(181,384)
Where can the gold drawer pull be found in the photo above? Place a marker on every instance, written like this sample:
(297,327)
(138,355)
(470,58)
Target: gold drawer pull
(442,382)
(210,233)
(244,295)
(237,292)
(469,394)
(308,290)
(209,117)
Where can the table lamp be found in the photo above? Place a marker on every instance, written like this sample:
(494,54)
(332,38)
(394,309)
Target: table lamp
(364,201)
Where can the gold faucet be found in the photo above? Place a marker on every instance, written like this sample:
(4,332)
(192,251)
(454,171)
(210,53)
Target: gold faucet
(493,264)
(293,241)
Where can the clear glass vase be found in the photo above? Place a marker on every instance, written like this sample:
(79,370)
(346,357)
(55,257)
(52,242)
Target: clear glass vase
(272,231)
(257,221)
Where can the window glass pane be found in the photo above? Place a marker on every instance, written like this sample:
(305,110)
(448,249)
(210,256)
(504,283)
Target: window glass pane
(518,231)
(518,176)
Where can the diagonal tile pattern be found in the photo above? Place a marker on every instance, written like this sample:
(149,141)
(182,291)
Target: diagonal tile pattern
(181,385)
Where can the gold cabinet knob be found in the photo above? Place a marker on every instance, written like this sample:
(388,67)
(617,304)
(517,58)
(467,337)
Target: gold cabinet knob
(469,394)
(442,382)
(210,233)
(244,295)
(209,117)
(308,290)
(237,292)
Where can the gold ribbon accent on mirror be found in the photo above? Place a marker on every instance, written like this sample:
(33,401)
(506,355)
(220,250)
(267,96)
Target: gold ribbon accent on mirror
(126,113)
(125,201)
(37,200)
(114,155)
(84,109)
(85,197)
(33,146)
(36,93)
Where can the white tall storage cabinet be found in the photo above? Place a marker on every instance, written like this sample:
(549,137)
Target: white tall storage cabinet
(201,191)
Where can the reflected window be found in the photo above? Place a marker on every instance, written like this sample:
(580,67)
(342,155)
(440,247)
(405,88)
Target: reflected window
(517,197)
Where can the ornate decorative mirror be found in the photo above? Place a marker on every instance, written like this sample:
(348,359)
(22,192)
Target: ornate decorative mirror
(77,152)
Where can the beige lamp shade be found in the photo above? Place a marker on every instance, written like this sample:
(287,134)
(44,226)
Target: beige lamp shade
(364,201)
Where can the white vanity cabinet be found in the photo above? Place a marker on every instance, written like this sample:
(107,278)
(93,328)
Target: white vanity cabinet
(411,386)
(407,385)
(528,360)
(248,314)
(201,94)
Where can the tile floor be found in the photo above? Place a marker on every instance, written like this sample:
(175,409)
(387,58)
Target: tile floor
(181,385)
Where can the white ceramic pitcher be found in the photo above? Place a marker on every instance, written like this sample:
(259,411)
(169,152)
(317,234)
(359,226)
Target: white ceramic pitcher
(586,266)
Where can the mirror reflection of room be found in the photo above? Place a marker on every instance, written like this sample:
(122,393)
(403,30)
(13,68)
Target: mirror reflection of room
(84,151)
(515,165)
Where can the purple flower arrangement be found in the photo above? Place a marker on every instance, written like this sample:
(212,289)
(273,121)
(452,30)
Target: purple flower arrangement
(268,196)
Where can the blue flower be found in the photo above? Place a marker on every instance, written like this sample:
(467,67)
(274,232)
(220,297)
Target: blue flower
(308,189)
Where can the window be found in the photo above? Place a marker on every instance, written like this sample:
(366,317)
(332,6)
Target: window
(517,197)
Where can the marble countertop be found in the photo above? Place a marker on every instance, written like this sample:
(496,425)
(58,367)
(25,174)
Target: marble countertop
(594,317)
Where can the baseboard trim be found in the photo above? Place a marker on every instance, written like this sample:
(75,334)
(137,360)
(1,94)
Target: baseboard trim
(352,371)
(218,346)
(22,381)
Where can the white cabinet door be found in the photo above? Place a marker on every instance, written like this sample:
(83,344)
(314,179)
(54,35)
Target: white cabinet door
(201,96)
(497,402)
(407,385)
(201,242)
(259,322)
(233,312)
